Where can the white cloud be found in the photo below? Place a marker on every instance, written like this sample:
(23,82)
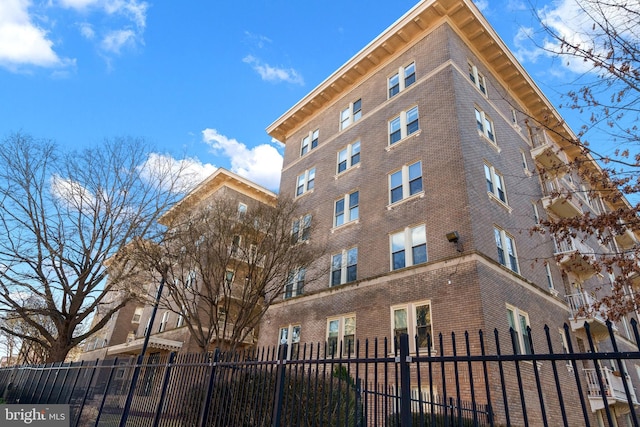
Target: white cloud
(87,31)
(190,171)
(261,164)
(114,41)
(72,193)
(273,74)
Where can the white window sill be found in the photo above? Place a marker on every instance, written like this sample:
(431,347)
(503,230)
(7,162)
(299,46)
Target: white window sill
(500,202)
(346,171)
(400,141)
(393,205)
(346,224)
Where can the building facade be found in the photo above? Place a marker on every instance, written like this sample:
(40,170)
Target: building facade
(419,161)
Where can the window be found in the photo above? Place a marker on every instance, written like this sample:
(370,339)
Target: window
(406,182)
(477,78)
(495,183)
(235,245)
(549,277)
(295,283)
(309,142)
(536,215)
(305,182)
(341,333)
(222,315)
(180,320)
(519,322)
(137,314)
(163,321)
(348,157)
(290,335)
(300,229)
(409,247)
(413,319)
(525,165)
(190,280)
(228,277)
(403,125)
(485,125)
(351,114)
(242,210)
(506,249)
(346,209)
(398,84)
(514,117)
(344,267)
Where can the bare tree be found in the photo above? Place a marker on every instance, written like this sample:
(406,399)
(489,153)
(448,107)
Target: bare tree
(223,268)
(62,216)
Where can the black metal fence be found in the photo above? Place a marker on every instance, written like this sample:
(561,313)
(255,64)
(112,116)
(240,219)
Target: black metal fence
(454,382)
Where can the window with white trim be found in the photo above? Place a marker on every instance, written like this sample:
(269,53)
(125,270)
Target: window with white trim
(305,181)
(164,321)
(519,322)
(242,210)
(403,125)
(344,267)
(536,214)
(300,229)
(346,209)
(397,84)
(477,78)
(190,280)
(408,247)
(309,142)
(547,270)
(235,245)
(349,156)
(351,114)
(290,335)
(525,164)
(406,182)
(506,246)
(485,125)
(341,334)
(495,183)
(413,319)
(137,314)
(229,275)
(295,283)
(181,316)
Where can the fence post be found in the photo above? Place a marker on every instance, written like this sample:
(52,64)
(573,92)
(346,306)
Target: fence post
(86,393)
(405,382)
(106,390)
(163,391)
(280,383)
(208,397)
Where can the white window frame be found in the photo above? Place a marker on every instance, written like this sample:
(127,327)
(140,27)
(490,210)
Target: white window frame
(295,283)
(515,317)
(404,82)
(401,124)
(506,247)
(348,213)
(407,239)
(550,284)
(229,276)
(342,264)
(242,210)
(137,315)
(495,183)
(305,182)
(412,323)
(349,156)
(180,320)
(290,335)
(300,228)
(406,179)
(163,322)
(536,213)
(351,114)
(340,334)
(485,125)
(309,142)
(477,78)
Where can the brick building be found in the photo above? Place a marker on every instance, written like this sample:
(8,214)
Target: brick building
(418,161)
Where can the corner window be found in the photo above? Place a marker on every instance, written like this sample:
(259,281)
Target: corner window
(495,183)
(344,267)
(403,125)
(413,319)
(346,209)
(341,333)
(295,283)
(408,247)
(519,322)
(401,80)
(485,125)
(351,114)
(305,182)
(309,142)
(477,78)
(290,335)
(506,246)
(406,182)
(300,229)
(349,156)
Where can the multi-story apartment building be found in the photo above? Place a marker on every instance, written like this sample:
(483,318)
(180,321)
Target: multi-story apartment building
(419,161)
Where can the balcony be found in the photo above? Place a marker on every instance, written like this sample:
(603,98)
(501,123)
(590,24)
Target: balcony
(582,311)
(625,239)
(558,199)
(575,257)
(547,154)
(613,383)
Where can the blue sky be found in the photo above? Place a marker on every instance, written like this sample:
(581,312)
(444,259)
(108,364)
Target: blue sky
(200,78)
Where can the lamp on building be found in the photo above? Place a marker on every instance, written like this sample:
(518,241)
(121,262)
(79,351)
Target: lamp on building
(454,237)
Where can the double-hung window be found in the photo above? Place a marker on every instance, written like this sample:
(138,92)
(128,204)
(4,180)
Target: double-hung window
(403,125)
(485,125)
(495,183)
(506,246)
(346,209)
(290,335)
(477,78)
(406,182)
(228,278)
(300,229)
(137,314)
(305,181)
(408,247)
(413,319)
(351,114)
(401,80)
(309,142)
(341,334)
(295,283)
(349,156)
(164,321)
(519,322)
(344,267)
